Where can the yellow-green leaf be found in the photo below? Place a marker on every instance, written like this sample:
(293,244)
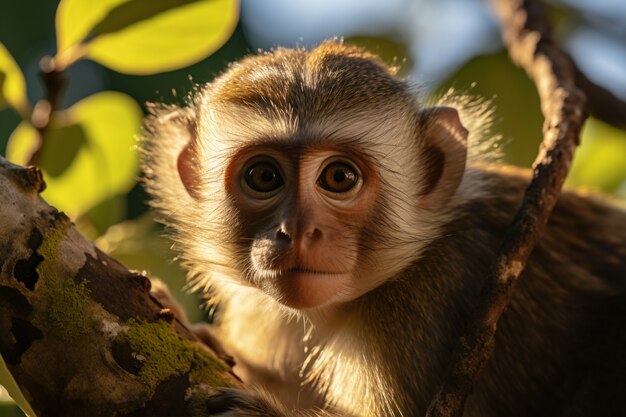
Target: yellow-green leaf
(517,112)
(76,18)
(22,144)
(145,36)
(88,152)
(12,84)
(600,161)
(7,381)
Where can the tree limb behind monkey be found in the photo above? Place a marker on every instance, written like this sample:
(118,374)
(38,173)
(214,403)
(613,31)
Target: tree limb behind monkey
(344,228)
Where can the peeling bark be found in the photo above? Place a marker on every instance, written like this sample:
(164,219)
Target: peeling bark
(80,333)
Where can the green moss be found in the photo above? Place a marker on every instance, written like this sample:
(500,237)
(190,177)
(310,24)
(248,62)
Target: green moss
(49,248)
(208,370)
(69,308)
(165,354)
(161,350)
(68,302)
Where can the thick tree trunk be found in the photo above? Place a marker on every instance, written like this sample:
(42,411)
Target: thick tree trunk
(79,332)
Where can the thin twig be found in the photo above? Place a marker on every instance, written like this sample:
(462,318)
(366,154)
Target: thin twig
(54,81)
(527,36)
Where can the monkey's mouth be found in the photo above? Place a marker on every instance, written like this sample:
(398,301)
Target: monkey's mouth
(304,288)
(299,270)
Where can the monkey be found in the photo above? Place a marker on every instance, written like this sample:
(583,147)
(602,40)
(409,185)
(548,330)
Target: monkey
(344,228)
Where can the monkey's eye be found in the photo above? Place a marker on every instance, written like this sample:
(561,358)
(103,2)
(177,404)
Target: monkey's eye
(338,177)
(263,177)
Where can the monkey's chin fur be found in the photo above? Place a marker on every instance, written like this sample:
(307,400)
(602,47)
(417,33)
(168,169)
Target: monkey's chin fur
(302,289)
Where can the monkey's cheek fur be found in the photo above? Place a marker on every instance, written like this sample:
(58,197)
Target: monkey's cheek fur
(304,290)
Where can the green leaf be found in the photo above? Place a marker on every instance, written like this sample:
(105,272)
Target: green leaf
(514,99)
(7,381)
(10,409)
(12,84)
(144,36)
(62,145)
(600,161)
(104,215)
(391,51)
(75,19)
(88,152)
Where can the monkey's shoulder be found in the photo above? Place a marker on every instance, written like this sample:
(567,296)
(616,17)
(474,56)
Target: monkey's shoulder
(504,187)
(585,236)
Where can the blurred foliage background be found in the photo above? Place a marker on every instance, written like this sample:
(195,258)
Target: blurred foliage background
(90,163)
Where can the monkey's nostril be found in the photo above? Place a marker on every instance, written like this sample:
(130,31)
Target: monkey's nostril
(314,234)
(282,236)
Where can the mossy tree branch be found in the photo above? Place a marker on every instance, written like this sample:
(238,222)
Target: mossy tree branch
(80,333)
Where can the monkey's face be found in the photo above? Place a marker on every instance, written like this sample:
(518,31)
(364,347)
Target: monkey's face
(315,214)
(303,213)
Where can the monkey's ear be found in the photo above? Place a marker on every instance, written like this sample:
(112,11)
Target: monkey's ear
(444,155)
(187,165)
(179,126)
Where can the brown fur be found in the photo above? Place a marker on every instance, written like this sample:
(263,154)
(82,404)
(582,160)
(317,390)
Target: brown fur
(560,346)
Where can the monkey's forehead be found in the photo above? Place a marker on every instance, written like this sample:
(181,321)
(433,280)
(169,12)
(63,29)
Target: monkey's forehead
(342,130)
(332,77)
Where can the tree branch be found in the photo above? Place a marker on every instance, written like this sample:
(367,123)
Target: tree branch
(80,333)
(603,104)
(526,34)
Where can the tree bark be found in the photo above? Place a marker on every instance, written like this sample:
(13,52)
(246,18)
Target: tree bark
(79,332)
